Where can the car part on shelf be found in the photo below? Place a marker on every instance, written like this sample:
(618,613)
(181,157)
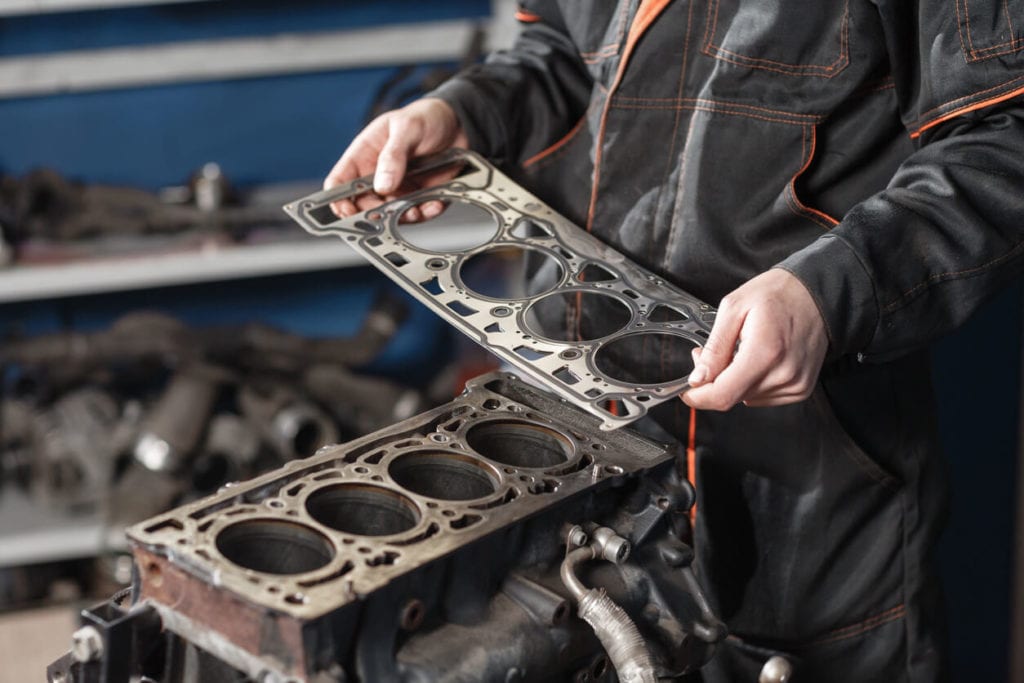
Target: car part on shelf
(427,551)
(640,308)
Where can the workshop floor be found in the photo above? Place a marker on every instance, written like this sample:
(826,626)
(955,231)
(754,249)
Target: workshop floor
(30,640)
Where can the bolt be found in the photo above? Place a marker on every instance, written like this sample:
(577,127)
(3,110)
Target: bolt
(86,644)
(614,548)
(412,615)
(577,536)
(775,670)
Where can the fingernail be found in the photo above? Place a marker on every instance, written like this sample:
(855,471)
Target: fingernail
(383,182)
(699,374)
(431,210)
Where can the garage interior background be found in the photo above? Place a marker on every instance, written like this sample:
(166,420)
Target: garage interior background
(142,93)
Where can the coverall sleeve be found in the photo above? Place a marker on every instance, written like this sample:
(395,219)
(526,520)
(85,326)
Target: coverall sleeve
(521,100)
(916,260)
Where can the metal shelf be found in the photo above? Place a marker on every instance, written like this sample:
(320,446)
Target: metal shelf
(19,7)
(31,533)
(216,263)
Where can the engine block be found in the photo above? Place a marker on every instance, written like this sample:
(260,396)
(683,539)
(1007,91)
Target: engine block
(427,551)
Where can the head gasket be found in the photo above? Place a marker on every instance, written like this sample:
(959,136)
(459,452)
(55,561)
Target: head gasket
(590,360)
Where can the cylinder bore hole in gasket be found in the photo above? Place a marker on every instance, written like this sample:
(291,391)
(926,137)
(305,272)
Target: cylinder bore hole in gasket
(520,444)
(442,475)
(501,271)
(362,510)
(645,358)
(462,225)
(557,316)
(274,547)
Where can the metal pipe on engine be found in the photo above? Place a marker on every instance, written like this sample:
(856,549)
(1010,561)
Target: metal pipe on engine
(618,634)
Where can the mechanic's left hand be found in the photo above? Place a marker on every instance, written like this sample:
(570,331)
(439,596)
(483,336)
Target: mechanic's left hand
(781,341)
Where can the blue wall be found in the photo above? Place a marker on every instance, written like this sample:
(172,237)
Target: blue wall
(260,130)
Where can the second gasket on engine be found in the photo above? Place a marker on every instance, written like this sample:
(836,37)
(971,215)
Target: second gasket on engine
(590,366)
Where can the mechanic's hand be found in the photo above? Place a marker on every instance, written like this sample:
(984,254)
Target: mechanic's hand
(384,148)
(781,342)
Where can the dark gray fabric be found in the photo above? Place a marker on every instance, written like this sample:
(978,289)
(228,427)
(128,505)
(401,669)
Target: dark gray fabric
(873,149)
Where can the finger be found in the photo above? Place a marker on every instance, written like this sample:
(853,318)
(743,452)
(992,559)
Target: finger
(432,209)
(720,346)
(731,386)
(344,208)
(411,215)
(393,159)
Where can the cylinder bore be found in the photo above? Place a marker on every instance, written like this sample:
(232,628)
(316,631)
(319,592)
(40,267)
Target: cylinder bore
(577,315)
(520,444)
(362,510)
(445,476)
(498,272)
(646,358)
(464,216)
(274,547)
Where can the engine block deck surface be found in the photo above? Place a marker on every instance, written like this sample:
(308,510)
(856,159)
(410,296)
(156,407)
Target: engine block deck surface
(278,562)
(592,366)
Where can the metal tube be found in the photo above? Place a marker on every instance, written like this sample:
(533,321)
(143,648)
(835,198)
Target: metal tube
(618,634)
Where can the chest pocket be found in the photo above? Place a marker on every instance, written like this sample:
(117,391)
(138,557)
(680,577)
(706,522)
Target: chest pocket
(792,38)
(988,29)
(598,28)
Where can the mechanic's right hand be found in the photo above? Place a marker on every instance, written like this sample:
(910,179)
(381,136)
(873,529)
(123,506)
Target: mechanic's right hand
(384,148)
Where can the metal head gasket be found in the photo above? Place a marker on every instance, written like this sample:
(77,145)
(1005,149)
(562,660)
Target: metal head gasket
(591,367)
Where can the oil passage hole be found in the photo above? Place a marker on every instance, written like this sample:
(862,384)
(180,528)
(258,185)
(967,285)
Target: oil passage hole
(499,272)
(467,225)
(520,444)
(579,315)
(274,547)
(444,476)
(646,358)
(362,510)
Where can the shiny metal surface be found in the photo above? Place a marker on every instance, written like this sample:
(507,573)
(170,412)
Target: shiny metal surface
(643,308)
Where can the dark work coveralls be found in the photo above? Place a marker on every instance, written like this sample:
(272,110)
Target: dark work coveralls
(874,149)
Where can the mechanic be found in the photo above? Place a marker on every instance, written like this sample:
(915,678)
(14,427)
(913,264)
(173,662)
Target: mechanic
(845,180)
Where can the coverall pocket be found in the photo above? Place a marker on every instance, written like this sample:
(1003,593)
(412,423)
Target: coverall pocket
(848,447)
(749,34)
(989,29)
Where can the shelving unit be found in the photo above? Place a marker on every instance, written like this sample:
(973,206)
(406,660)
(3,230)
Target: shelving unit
(212,264)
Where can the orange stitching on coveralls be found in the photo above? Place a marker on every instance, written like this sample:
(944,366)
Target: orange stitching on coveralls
(614,46)
(820,217)
(969,108)
(960,30)
(800,70)
(527,17)
(861,627)
(680,86)
(670,244)
(704,108)
(975,54)
(648,11)
(683,101)
(560,143)
(900,300)
(970,38)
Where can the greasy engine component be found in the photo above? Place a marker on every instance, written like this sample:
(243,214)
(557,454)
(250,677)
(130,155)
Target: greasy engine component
(125,422)
(175,424)
(590,368)
(74,447)
(432,550)
(295,428)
